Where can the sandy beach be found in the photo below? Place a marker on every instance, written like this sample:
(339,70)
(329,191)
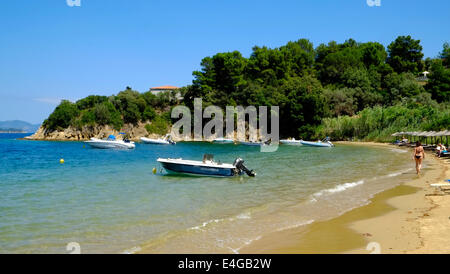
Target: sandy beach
(411,218)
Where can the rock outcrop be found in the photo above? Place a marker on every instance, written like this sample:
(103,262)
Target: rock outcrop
(86,132)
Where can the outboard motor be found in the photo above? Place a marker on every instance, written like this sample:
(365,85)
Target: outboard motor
(239,164)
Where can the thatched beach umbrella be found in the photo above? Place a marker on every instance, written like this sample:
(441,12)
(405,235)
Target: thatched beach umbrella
(414,134)
(440,134)
(422,134)
(446,133)
(432,134)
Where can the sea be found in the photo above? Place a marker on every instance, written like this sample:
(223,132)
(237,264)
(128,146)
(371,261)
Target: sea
(110,201)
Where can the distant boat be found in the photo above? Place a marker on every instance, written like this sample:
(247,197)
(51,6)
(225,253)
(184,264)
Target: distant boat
(167,140)
(207,167)
(252,143)
(325,143)
(223,141)
(111,143)
(291,142)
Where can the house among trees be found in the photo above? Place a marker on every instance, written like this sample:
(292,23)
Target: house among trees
(169,89)
(160,89)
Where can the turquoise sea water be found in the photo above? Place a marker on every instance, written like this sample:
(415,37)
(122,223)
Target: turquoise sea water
(109,200)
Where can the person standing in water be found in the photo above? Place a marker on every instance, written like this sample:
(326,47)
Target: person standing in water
(419,155)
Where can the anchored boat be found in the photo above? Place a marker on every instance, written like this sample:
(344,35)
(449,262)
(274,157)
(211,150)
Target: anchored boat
(291,142)
(207,167)
(255,143)
(324,143)
(223,141)
(167,140)
(111,143)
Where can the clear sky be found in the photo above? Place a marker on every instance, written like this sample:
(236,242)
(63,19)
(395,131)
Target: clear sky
(50,51)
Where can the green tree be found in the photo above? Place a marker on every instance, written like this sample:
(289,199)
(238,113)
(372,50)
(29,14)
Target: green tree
(335,64)
(62,116)
(340,101)
(439,82)
(304,107)
(405,55)
(445,54)
(223,73)
(373,54)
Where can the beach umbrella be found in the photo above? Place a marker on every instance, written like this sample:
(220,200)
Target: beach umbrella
(440,134)
(422,134)
(431,134)
(446,134)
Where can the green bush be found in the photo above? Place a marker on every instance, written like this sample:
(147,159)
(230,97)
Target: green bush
(159,125)
(379,123)
(62,116)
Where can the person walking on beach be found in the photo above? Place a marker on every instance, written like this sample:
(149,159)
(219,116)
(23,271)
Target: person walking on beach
(419,155)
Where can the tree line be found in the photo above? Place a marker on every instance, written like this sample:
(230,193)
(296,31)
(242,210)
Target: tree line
(315,88)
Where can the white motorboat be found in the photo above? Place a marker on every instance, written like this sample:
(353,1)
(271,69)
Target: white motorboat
(111,143)
(291,142)
(161,141)
(325,143)
(222,140)
(252,143)
(207,167)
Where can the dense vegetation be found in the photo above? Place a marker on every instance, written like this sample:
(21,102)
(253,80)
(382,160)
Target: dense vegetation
(320,89)
(343,90)
(128,106)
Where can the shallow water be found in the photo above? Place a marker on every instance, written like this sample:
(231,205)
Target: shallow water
(109,200)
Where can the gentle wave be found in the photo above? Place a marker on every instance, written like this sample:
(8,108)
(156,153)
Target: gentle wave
(249,241)
(399,150)
(399,173)
(339,188)
(244,216)
(296,225)
(246,243)
(132,250)
(199,227)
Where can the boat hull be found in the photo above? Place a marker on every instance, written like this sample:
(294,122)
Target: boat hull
(155,141)
(195,170)
(103,144)
(291,142)
(223,141)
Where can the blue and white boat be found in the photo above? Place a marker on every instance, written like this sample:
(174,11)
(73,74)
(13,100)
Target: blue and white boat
(325,143)
(291,142)
(167,140)
(111,143)
(207,167)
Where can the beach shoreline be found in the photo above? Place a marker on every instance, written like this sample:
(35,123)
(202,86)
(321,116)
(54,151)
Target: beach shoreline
(410,218)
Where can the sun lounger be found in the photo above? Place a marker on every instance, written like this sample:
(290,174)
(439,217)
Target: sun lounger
(443,187)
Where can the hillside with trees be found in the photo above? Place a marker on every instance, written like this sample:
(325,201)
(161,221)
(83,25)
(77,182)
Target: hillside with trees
(343,90)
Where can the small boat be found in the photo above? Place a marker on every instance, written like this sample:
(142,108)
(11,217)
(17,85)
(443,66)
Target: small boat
(111,143)
(252,143)
(291,142)
(207,167)
(223,141)
(167,140)
(324,143)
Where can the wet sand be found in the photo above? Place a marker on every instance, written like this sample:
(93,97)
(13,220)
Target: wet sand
(410,218)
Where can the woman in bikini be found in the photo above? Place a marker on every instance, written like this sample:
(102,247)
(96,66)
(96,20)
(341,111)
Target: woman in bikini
(419,155)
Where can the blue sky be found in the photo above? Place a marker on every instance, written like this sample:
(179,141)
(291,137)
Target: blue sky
(50,51)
